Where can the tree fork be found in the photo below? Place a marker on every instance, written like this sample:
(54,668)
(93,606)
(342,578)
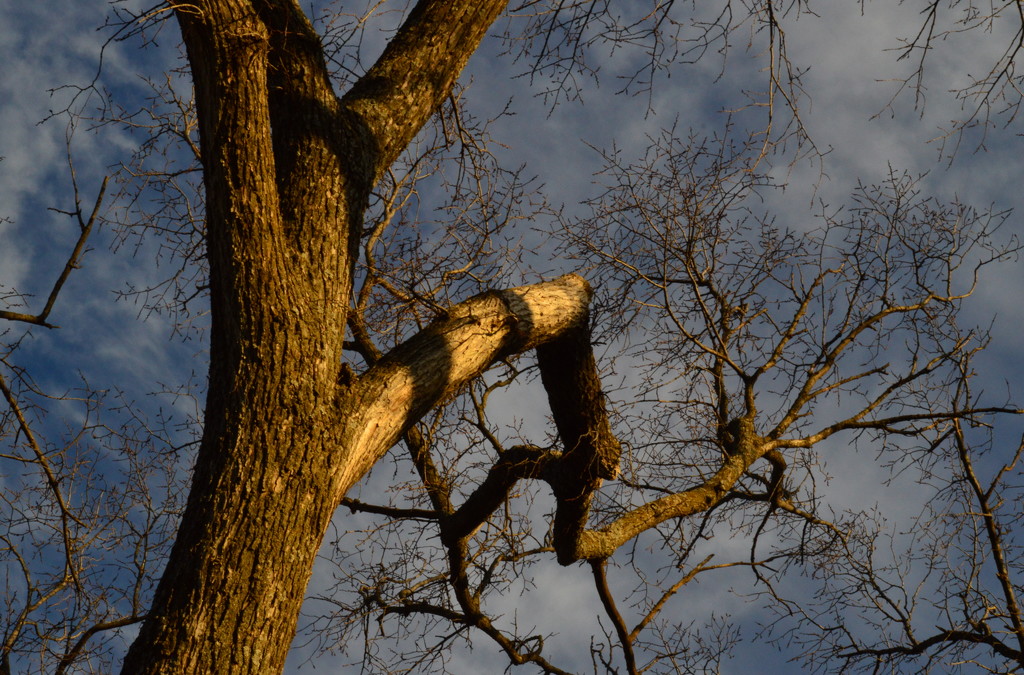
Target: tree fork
(229,600)
(287,168)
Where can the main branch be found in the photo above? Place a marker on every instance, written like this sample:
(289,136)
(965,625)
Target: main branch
(433,365)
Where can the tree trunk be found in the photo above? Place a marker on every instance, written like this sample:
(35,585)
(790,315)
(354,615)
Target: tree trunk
(288,167)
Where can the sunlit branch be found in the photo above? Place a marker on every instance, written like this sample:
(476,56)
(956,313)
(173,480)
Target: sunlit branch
(827,361)
(432,366)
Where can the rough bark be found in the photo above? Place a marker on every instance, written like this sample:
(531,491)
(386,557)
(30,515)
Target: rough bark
(288,167)
(747,448)
(258,542)
(569,373)
(433,365)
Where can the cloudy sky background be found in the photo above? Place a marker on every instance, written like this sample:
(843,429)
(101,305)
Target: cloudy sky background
(105,340)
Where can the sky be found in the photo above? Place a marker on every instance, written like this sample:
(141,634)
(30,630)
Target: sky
(112,342)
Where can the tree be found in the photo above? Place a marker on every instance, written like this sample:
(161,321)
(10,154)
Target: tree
(327,349)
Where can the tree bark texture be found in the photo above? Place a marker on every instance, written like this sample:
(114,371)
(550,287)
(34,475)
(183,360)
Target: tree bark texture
(569,373)
(247,542)
(288,168)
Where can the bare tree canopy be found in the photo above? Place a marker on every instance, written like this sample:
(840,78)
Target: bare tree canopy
(442,388)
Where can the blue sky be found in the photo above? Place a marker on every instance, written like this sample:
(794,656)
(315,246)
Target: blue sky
(114,345)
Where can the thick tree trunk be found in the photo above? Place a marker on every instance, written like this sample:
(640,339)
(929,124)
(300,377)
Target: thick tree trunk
(288,167)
